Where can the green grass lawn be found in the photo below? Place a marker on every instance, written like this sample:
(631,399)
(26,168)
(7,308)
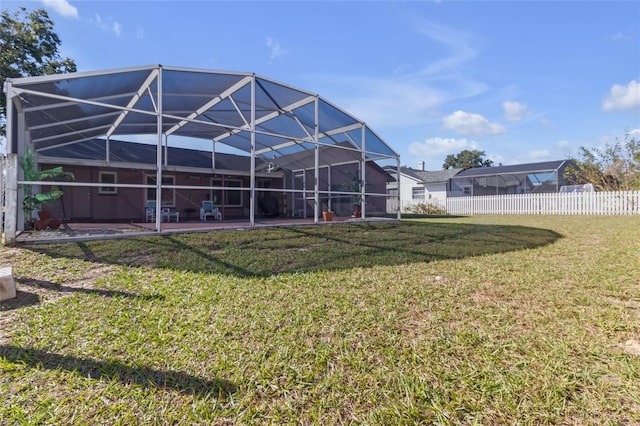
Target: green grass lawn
(479,320)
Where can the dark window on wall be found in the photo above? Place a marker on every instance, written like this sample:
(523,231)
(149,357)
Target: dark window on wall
(107,178)
(168,195)
(226,197)
(417,193)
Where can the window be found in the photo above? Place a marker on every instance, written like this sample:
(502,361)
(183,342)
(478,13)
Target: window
(108,177)
(168,195)
(227,198)
(466,190)
(417,193)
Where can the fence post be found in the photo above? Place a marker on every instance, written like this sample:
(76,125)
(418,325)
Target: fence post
(11,199)
(3,160)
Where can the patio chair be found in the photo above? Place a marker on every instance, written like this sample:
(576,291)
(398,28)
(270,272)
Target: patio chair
(207,209)
(167,214)
(150,211)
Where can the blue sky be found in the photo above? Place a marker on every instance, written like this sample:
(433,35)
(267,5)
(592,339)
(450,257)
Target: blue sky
(524,81)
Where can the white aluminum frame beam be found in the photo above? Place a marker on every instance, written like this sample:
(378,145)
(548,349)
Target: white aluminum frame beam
(207,106)
(268,117)
(153,75)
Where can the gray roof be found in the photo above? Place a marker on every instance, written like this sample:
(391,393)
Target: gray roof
(542,167)
(437,176)
(426,176)
(140,153)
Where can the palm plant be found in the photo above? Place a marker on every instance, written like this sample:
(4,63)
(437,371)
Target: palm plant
(33,201)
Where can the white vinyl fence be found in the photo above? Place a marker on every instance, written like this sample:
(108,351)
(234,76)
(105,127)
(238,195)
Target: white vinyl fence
(593,203)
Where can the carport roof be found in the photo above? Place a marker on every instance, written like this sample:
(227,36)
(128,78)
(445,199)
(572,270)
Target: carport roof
(218,106)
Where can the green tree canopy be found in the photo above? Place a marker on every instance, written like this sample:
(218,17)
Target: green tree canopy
(466,160)
(28,47)
(615,167)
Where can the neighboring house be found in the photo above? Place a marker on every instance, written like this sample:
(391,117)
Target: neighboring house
(433,187)
(419,186)
(544,177)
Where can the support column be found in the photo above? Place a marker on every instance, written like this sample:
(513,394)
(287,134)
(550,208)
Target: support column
(316,137)
(399,208)
(252,191)
(363,172)
(159,156)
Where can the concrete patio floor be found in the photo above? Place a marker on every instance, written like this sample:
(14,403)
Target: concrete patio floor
(80,231)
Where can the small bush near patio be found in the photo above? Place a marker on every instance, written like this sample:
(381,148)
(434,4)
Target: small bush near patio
(426,208)
(480,320)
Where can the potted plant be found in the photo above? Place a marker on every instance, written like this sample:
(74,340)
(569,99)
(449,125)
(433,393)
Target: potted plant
(33,201)
(355,186)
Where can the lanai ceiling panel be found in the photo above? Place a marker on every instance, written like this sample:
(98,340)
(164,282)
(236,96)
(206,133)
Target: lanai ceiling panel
(373,144)
(285,125)
(331,118)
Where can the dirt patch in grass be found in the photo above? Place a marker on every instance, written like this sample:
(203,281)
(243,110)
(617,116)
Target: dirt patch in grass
(631,346)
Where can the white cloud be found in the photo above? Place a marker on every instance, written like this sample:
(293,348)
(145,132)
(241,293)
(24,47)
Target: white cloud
(634,134)
(466,123)
(539,154)
(395,102)
(514,111)
(621,36)
(117,29)
(388,102)
(412,95)
(546,122)
(458,43)
(107,24)
(622,97)
(275,48)
(441,146)
(63,7)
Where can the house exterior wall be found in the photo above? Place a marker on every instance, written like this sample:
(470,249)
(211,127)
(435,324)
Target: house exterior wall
(436,193)
(340,178)
(92,204)
(407,184)
(376,182)
(433,192)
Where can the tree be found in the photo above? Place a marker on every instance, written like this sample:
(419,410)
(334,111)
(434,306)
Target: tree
(466,160)
(616,167)
(28,47)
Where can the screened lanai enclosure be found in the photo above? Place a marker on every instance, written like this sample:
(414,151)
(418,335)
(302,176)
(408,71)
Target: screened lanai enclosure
(181,139)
